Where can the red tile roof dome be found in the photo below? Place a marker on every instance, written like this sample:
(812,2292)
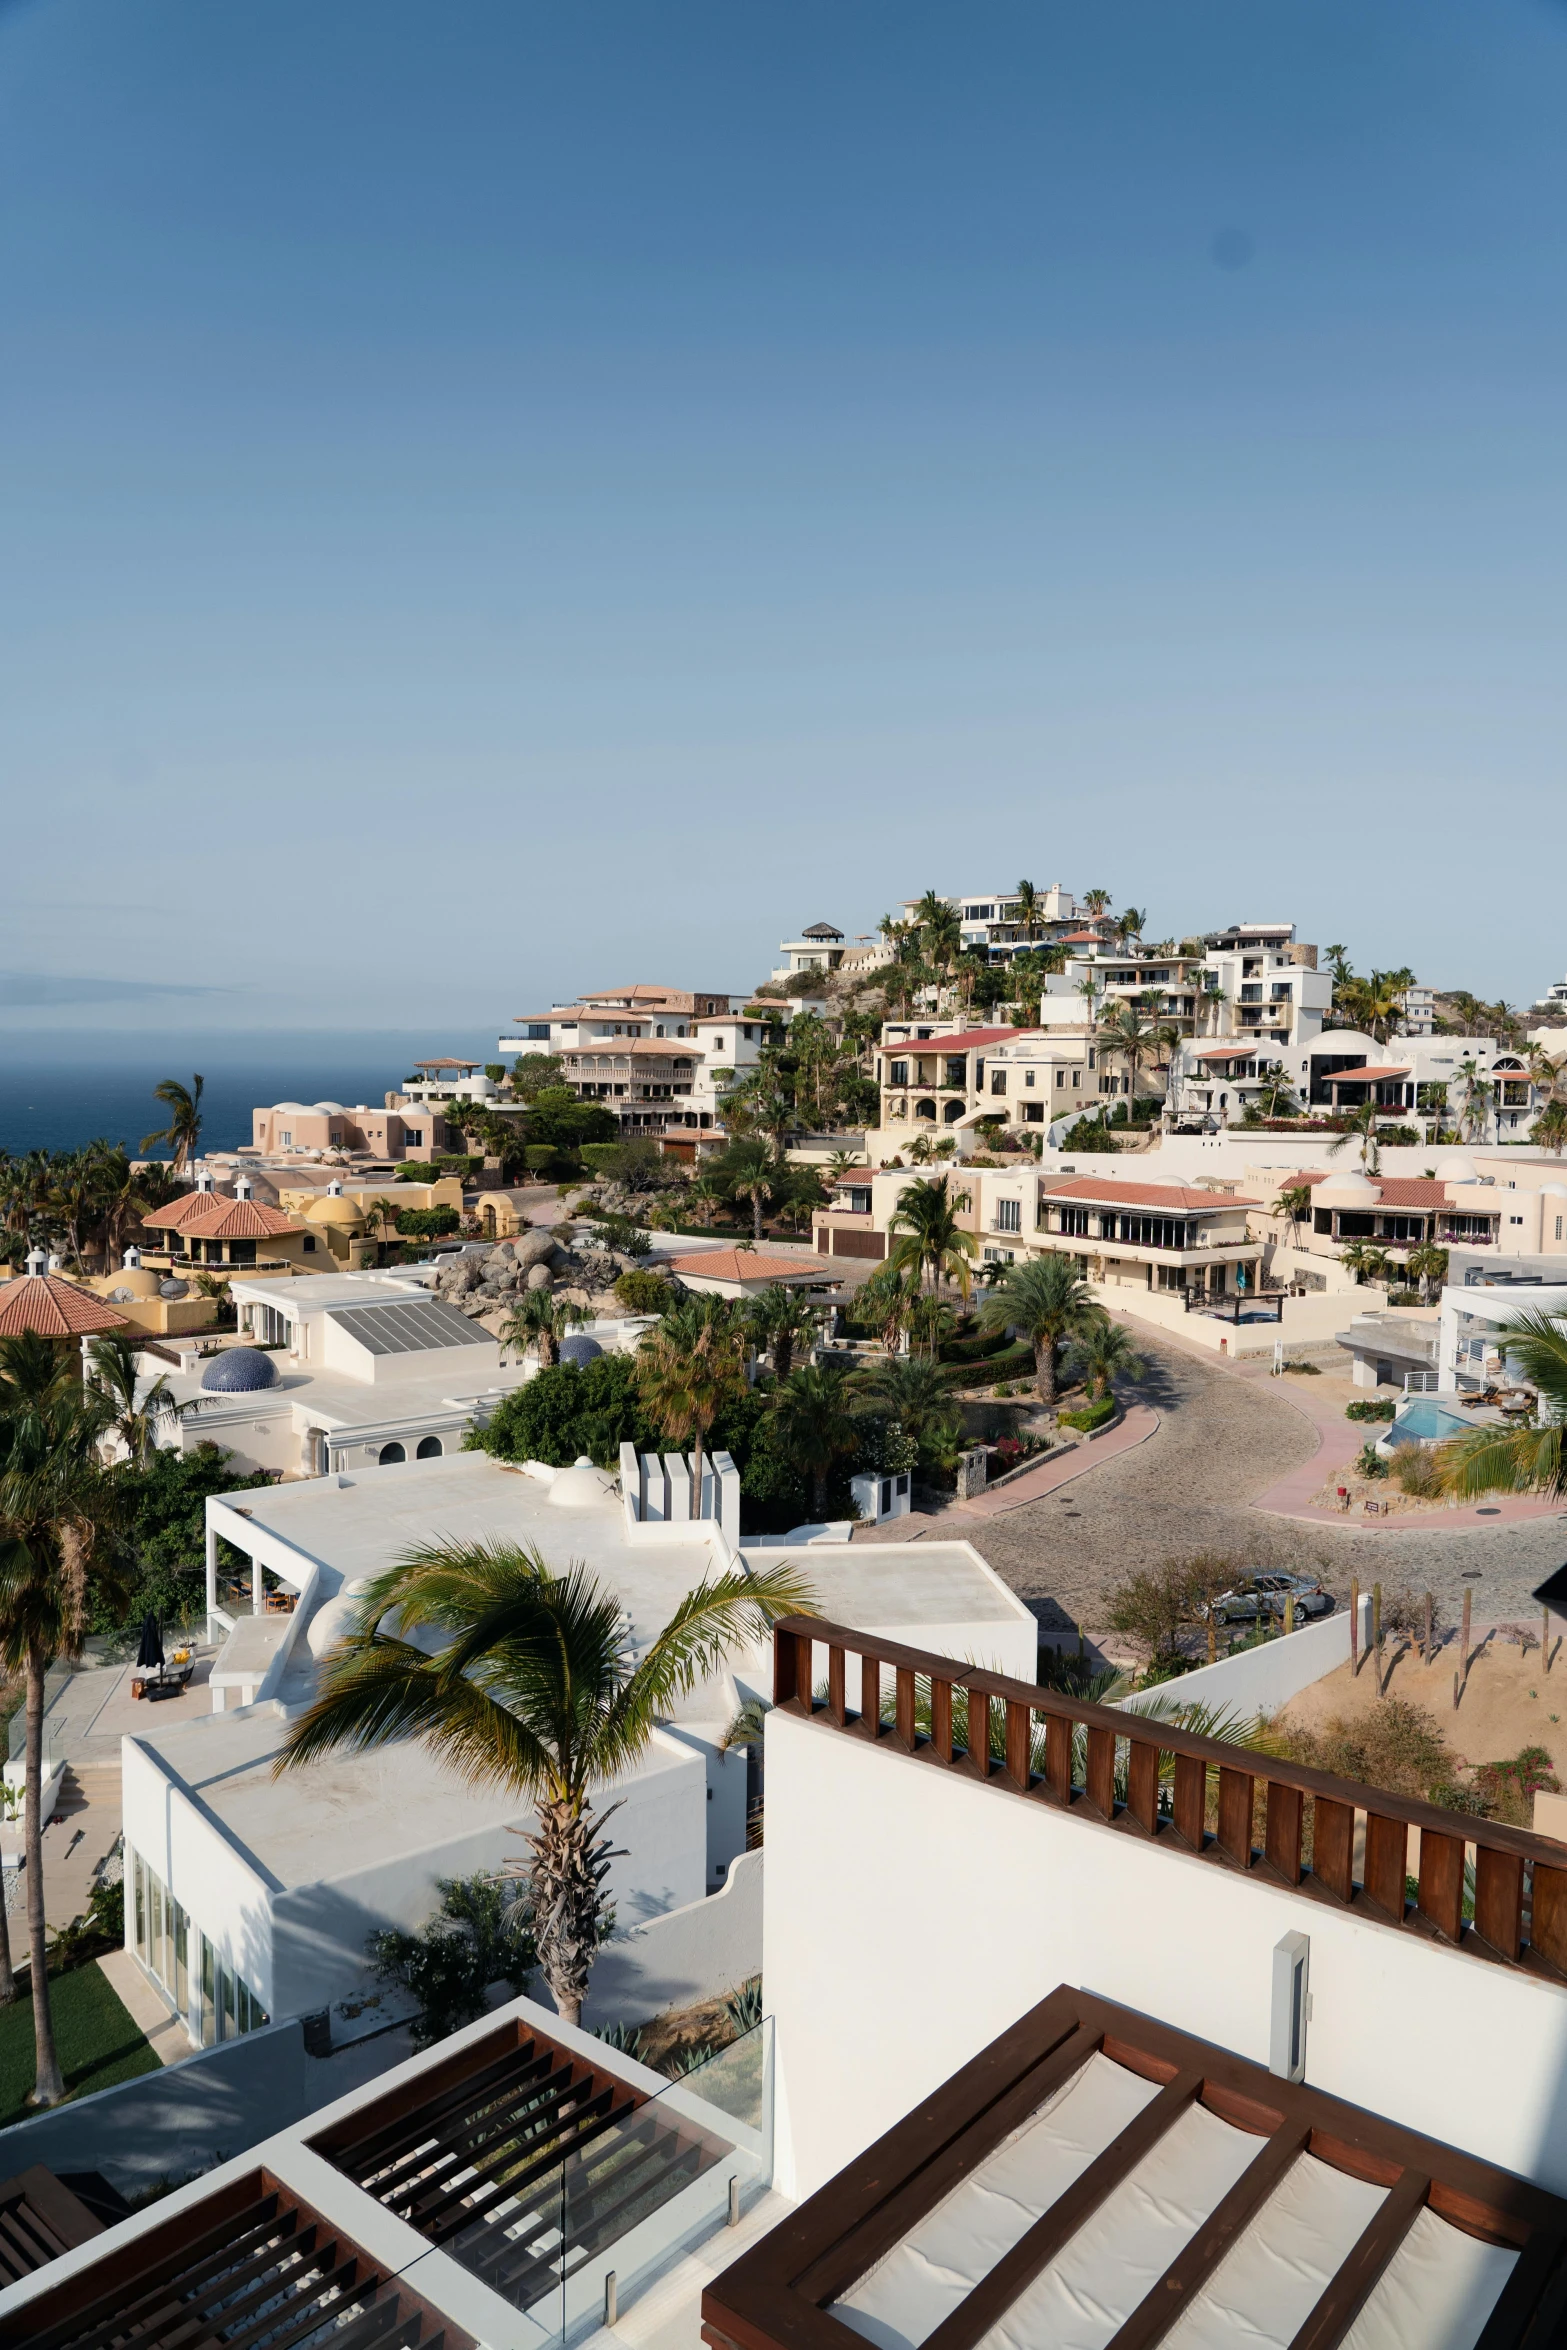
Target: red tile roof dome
(53,1308)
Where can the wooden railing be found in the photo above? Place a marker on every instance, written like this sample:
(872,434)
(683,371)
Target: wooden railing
(1151,1779)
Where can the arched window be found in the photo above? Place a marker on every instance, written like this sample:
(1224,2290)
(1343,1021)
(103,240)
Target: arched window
(429,1449)
(952,1112)
(390,1453)
(925,1110)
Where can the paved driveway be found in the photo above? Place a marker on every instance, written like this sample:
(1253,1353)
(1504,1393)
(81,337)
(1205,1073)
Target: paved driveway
(1224,1439)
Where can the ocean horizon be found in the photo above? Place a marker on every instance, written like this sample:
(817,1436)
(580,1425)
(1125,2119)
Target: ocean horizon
(58,1092)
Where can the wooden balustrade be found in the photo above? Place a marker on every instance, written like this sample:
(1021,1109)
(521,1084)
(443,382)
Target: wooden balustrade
(1152,1779)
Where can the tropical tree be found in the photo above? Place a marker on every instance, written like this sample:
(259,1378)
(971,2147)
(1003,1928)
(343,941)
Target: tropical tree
(911,1390)
(929,1239)
(845,1163)
(1047,1301)
(536,1689)
(1519,1460)
(815,1431)
(777,1319)
(541,1320)
(116,1370)
(1477,1097)
(1125,1033)
(1130,924)
(1294,1205)
(1428,1265)
(1095,901)
(749,1171)
(1337,960)
(61,1516)
(887,1300)
(1275,1096)
(932,1322)
(183,1131)
(1550,1127)
(1362,1128)
(385,1212)
(688,1369)
(1365,1260)
(1104,1352)
(1028,910)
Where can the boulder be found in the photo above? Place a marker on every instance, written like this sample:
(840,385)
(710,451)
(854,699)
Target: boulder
(534,1248)
(538,1277)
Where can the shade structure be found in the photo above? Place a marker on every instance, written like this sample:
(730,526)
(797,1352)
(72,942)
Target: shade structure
(150,1653)
(51,1307)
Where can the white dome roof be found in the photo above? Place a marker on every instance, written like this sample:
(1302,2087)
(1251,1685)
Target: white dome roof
(1553,1191)
(581,1487)
(1456,1169)
(1349,1190)
(295,1106)
(332,1109)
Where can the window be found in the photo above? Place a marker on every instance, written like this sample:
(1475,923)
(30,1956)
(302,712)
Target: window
(1060,1077)
(998,1081)
(389,1454)
(957,1070)
(309,1246)
(1034,1113)
(1075,1221)
(428,1449)
(1009,1215)
(1028,1077)
(413,1134)
(1077,1074)
(287,1140)
(1558,1227)
(898,1073)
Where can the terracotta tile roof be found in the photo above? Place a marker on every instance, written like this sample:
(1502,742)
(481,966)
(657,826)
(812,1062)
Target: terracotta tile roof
(1237,1050)
(749,1264)
(1172,1197)
(969,1041)
(1362,1076)
(209,1215)
(53,1308)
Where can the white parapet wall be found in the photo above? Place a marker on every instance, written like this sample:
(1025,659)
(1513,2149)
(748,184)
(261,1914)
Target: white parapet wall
(1261,1680)
(911,1914)
(702,1951)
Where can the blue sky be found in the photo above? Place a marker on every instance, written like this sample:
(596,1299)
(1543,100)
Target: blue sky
(500,499)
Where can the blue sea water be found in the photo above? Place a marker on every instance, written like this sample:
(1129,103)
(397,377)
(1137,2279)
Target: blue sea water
(56,1094)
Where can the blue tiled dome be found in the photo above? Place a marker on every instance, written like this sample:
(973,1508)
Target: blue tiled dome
(239,1370)
(579,1349)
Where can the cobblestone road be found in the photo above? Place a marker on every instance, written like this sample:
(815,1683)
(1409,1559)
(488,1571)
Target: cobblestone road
(1223,1440)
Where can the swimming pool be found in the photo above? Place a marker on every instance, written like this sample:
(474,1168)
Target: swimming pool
(1425,1421)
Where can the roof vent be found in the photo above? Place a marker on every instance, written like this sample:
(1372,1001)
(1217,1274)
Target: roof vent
(131,1261)
(243,1187)
(205,1180)
(37,1262)
(57,1264)
(334,1189)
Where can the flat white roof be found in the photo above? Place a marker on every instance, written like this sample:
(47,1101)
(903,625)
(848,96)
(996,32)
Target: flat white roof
(359,1523)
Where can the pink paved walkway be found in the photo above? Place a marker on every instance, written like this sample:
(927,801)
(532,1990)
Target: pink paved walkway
(1139,1424)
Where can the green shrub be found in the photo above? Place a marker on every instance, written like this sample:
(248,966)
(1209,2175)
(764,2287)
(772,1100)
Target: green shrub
(1013,1362)
(555,1115)
(1089,1134)
(427,1223)
(1418,1471)
(644,1293)
(1369,1462)
(1092,1416)
(597,1156)
(1383,1409)
(165,1504)
(481,1934)
(548,1158)
(418,1171)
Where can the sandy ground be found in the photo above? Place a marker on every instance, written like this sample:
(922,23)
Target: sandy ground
(1508,1702)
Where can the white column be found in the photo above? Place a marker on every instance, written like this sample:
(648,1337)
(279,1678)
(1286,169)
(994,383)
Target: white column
(258,1589)
(212,1577)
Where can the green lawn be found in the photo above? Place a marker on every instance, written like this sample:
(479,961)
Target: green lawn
(93,2031)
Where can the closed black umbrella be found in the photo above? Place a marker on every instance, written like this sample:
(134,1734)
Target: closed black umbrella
(151,1649)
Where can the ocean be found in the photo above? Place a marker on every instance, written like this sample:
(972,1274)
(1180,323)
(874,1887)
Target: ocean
(57,1093)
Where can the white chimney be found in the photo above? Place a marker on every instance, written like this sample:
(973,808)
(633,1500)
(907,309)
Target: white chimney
(131,1261)
(37,1262)
(334,1190)
(243,1187)
(57,1264)
(204,1179)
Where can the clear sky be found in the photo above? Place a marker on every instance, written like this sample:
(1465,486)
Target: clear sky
(497,498)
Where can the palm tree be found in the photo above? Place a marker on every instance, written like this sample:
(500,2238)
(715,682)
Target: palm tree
(1276,1096)
(1105,1352)
(1365,1260)
(385,1212)
(1028,910)
(183,1131)
(1362,1128)
(932,1322)
(1127,1034)
(887,1300)
(1337,960)
(912,1390)
(688,1369)
(60,1518)
(749,1171)
(776,1319)
(1294,1204)
(1130,924)
(1428,1264)
(541,1320)
(116,1368)
(1519,1460)
(845,1163)
(1095,901)
(932,1240)
(1477,1095)
(535,1690)
(814,1427)
(1550,1127)
(1047,1301)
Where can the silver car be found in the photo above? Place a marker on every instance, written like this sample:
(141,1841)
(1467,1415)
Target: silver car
(1264,1594)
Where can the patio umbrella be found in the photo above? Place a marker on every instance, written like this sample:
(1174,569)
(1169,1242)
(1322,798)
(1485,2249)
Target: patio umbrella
(151,1649)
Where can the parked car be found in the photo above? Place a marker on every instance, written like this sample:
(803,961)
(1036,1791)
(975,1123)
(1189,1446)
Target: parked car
(1264,1594)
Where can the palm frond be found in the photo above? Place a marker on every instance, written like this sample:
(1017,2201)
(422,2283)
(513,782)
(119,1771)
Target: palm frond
(710,1622)
(374,1694)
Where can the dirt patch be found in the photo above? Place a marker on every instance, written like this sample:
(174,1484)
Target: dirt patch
(1509,1700)
(687,2031)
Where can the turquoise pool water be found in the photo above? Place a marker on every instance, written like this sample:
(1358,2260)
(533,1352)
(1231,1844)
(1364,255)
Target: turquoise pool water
(1426,1421)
